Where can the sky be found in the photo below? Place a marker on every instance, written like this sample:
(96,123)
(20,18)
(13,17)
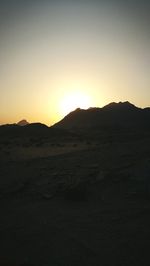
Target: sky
(58,55)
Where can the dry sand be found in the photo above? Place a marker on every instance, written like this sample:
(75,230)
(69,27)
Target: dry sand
(72,205)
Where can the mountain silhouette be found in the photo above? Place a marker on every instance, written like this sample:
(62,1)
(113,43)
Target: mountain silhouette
(33,130)
(113,115)
(23,122)
(121,105)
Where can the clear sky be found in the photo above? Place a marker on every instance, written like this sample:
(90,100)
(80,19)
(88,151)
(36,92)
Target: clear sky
(59,55)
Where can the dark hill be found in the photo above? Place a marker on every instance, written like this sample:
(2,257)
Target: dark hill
(23,123)
(32,130)
(113,115)
(120,106)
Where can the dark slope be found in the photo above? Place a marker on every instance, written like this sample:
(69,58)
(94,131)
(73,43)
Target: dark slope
(23,122)
(31,130)
(113,115)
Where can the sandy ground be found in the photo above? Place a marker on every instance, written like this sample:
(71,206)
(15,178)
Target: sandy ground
(82,204)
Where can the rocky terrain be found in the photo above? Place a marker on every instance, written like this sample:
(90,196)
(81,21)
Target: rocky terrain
(74,197)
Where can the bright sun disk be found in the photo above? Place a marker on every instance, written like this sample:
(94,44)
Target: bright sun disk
(73,101)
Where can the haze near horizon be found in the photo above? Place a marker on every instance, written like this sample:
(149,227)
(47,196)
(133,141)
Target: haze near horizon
(60,55)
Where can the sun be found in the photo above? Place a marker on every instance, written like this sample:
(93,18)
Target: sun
(74,100)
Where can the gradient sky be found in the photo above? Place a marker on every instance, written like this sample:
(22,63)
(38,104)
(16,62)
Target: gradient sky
(51,49)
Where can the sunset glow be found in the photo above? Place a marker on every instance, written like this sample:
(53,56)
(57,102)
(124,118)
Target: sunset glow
(75,100)
(97,51)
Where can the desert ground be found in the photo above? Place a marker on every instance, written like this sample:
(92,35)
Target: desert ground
(78,201)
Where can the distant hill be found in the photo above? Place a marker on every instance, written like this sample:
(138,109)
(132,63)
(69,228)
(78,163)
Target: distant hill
(23,123)
(33,130)
(113,115)
(120,106)
(13,130)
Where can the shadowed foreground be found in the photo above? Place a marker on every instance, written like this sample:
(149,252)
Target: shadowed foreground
(85,204)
